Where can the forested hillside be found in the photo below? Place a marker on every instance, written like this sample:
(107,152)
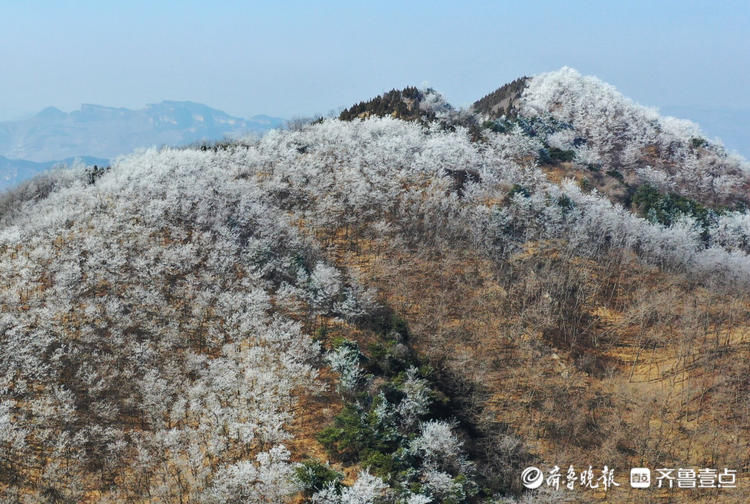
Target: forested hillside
(377,310)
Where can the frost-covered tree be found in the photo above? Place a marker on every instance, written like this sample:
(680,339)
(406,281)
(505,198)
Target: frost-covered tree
(439,447)
(367,489)
(269,479)
(416,401)
(344,359)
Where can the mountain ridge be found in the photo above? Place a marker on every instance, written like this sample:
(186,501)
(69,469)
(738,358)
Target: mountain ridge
(585,129)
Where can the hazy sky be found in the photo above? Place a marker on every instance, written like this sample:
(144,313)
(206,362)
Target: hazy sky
(299,58)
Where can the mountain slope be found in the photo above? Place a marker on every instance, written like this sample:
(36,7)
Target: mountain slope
(502,101)
(331,314)
(729,124)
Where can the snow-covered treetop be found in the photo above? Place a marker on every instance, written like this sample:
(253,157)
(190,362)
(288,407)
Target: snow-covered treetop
(569,96)
(608,129)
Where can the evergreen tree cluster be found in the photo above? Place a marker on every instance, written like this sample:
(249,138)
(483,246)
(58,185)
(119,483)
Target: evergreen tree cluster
(403,104)
(503,101)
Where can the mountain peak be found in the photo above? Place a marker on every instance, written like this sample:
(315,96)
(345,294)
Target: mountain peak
(51,114)
(502,101)
(173,105)
(409,103)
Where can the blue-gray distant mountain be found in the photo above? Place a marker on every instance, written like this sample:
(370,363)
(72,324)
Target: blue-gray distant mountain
(106,132)
(14,171)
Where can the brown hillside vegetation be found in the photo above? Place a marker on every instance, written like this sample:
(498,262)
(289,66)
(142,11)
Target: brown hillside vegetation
(589,363)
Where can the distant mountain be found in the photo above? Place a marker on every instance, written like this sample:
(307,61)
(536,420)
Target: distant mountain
(106,132)
(13,171)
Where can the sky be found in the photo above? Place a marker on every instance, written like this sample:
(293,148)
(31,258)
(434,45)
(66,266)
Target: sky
(295,59)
